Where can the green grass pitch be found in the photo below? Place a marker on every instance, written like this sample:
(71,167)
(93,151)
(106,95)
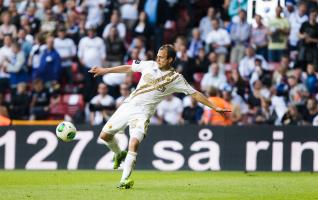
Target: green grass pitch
(101,185)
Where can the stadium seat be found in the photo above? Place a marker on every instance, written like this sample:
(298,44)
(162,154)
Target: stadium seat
(57,109)
(197,77)
(74,103)
(69,104)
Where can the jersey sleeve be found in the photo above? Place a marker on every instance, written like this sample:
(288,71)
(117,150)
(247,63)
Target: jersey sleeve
(182,86)
(140,66)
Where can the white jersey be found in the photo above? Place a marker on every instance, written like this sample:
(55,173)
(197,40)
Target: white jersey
(92,51)
(155,85)
(65,48)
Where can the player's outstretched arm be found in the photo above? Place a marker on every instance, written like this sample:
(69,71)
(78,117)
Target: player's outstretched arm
(202,99)
(98,71)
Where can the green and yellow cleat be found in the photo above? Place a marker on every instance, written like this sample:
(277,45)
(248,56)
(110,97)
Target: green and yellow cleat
(119,158)
(126,184)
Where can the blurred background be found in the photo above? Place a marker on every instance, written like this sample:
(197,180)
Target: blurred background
(258,58)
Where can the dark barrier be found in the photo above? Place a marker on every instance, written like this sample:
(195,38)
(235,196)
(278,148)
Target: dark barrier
(167,148)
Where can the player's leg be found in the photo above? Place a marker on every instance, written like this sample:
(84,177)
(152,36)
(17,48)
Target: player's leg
(112,144)
(129,164)
(110,141)
(116,123)
(137,133)
(130,160)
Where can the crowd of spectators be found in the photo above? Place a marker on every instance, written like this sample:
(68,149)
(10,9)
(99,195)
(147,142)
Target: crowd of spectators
(265,71)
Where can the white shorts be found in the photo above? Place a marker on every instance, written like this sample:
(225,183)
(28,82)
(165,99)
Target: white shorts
(128,115)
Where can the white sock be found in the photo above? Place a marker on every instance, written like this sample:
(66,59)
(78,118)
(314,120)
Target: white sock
(113,145)
(129,164)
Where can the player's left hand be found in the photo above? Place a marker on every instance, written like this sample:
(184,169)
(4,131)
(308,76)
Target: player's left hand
(97,71)
(222,111)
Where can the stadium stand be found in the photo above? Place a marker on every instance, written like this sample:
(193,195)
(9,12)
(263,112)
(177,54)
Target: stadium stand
(267,64)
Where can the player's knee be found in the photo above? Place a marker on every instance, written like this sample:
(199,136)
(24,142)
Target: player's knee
(106,136)
(133,144)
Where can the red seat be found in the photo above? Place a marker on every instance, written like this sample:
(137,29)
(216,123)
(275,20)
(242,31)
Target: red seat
(74,103)
(197,80)
(57,108)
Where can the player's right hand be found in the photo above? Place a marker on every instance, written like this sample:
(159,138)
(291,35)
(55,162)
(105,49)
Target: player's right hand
(97,71)
(222,111)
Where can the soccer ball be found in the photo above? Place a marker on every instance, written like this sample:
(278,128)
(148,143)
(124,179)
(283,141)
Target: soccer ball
(65,131)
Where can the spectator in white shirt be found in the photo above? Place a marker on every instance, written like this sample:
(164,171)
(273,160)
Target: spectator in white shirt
(101,106)
(6,52)
(94,12)
(115,22)
(170,111)
(205,25)
(129,12)
(218,40)
(67,51)
(214,78)
(247,64)
(91,52)
(295,21)
(7,28)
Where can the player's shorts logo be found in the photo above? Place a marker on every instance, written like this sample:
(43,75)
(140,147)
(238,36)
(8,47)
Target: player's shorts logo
(137,62)
(133,123)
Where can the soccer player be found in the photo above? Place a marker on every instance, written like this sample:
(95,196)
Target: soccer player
(158,80)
